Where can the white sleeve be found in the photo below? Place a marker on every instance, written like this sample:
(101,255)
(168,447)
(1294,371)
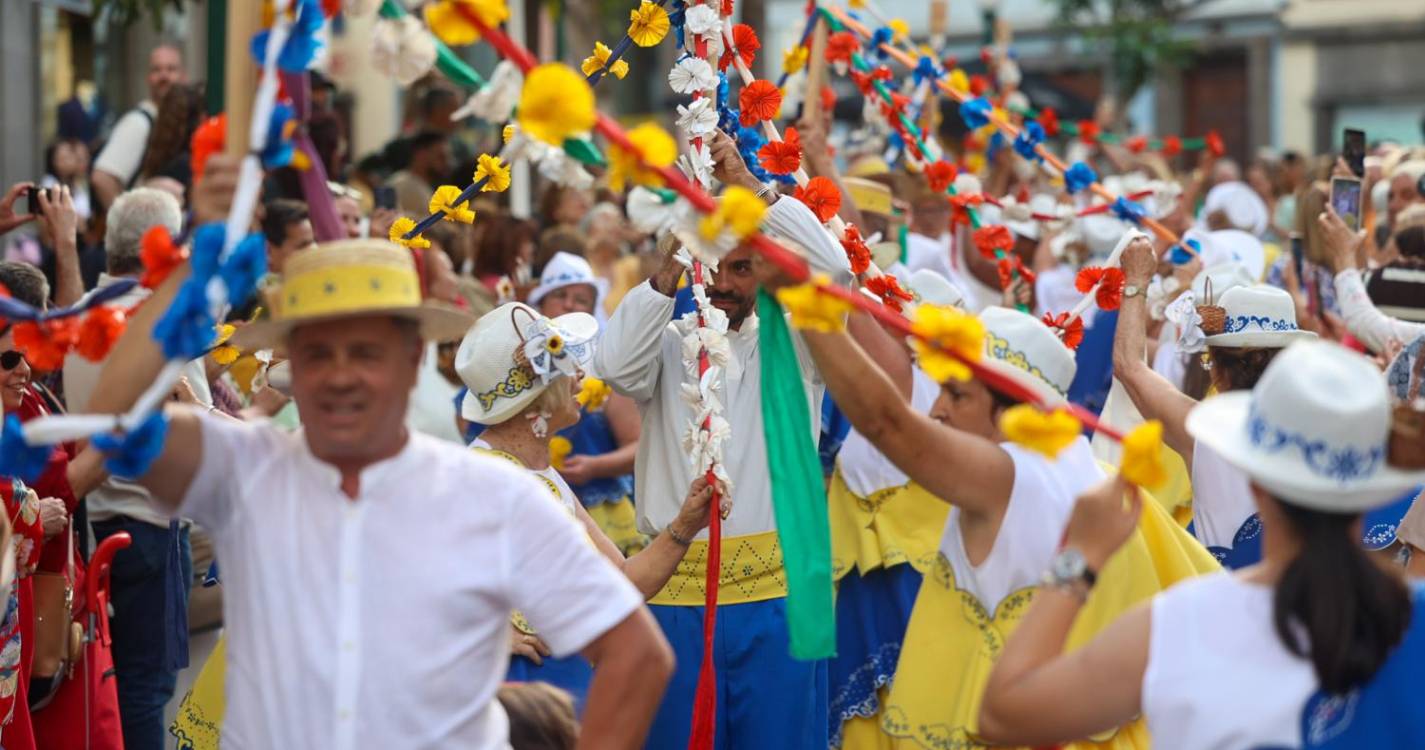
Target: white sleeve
(123,153)
(790,219)
(628,353)
(232,451)
(1373,327)
(555,576)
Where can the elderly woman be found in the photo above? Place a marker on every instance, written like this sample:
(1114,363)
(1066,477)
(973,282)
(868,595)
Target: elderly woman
(523,371)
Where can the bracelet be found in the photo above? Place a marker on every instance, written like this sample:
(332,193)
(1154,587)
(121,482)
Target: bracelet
(674,536)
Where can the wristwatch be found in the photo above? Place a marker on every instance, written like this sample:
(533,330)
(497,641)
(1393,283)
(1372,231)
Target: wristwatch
(1133,290)
(1069,571)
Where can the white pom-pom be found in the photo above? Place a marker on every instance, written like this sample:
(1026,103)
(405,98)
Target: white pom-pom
(402,49)
(966,184)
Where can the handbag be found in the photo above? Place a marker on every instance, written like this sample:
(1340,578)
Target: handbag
(58,638)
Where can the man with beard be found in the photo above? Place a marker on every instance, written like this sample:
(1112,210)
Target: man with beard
(765,698)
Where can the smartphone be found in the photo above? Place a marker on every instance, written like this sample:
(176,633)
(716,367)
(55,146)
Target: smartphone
(1353,150)
(1346,200)
(32,195)
(384,197)
(1297,255)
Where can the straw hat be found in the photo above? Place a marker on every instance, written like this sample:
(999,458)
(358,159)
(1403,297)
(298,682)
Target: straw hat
(513,353)
(1313,432)
(869,195)
(346,279)
(568,269)
(1258,316)
(1023,349)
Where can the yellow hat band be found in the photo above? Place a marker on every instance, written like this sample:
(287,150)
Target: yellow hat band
(335,290)
(871,197)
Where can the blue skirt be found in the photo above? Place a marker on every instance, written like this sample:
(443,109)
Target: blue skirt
(872,612)
(572,673)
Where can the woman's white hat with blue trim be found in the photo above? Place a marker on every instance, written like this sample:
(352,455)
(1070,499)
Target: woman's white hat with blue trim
(1258,317)
(1313,432)
(1021,348)
(568,269)
(513,353)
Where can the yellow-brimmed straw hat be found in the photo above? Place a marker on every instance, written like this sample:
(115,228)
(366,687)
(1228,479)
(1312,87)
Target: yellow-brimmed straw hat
(346,279)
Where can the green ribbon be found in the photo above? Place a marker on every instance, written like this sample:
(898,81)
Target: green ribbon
(446,60)
(798,498)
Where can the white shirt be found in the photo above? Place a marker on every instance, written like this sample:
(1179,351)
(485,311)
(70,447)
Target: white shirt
(432,406)
(128,143)
(864,468)
(383,621)
(1218,675)
(115,497)
(928,252)
(1221,498)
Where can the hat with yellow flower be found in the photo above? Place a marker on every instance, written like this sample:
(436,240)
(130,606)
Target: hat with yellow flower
(350,278)
(1021,348)
(513,353)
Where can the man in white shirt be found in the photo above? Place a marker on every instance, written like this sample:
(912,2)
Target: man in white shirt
(766,699)
(369,572)
(117,165)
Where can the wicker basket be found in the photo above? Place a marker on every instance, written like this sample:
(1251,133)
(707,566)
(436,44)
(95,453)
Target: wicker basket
(1214,317)
(1407,437)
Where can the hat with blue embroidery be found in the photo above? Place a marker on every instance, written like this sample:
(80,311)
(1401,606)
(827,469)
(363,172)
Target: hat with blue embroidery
(1257,317)
(568,269)
(513,353)
(1021,348)
(1314,432)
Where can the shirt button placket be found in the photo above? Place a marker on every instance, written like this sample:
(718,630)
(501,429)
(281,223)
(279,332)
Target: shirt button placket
(348,672)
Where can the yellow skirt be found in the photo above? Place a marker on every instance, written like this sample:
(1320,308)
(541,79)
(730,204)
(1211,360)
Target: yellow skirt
(200,716)
(890,527)
(952,642)
(619,523)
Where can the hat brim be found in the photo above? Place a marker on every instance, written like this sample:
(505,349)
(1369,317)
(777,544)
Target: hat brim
(1259,339)
(1043,390)
(439,323)
(1221,424)
(600,285)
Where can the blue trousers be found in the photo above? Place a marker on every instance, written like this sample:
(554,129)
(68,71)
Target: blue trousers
(765,698)
(144,626)
(572,673)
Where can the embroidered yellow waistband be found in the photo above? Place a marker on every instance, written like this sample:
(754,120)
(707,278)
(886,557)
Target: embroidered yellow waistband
(751,572)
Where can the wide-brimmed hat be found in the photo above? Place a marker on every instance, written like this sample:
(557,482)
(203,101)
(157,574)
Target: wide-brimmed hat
(1221,278)
(1243,208)
(932,288)
(1236,245)
(1313,432)
(1023,349)
(870,195)
(513,353)
(1258,316)
(346,279)
(568,269)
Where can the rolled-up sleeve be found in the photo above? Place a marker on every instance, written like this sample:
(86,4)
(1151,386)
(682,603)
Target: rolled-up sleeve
(790,219)
(628,354)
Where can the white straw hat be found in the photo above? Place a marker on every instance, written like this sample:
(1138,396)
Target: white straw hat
(1239,246)
(568,269)
(1258,316)
(1313,432)
(932,288)
(1023,349)
(1242,206)
(501,381)
(1223,276)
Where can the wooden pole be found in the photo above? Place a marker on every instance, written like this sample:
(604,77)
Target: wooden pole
(816,71)
(239,73)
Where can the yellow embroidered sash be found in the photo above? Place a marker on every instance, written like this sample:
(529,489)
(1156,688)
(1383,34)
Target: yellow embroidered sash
(751,572)
(890,527)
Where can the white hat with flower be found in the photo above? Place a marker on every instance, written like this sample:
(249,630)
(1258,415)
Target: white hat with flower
(1021,348)
(513,353)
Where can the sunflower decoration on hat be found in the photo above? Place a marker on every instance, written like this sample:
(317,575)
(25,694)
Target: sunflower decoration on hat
(553,350)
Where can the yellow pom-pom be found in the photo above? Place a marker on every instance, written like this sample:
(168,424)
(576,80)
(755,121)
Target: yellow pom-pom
(559,449)
(225,355)
(448,23)
(855,4)
(556,103)
(507,133)
(600,59)
(400,227)
(300,162)
(1143,455)
(443,201)
(955,338)
(1048,433)
(494,172)
(900,30)
(814,310)
(958,80)
(738,210)
(648,24)
(654,145)
(794,59)
(593,393)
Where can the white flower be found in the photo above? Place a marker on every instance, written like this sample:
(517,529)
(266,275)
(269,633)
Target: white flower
(698,118)
(701,19)
(648,211)
(556,166)
(1183,313)
(402,49)
(1016,101)
(697,165)
(692,74)
(496,101)
(966,184)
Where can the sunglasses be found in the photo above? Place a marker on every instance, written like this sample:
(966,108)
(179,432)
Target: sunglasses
(11,359)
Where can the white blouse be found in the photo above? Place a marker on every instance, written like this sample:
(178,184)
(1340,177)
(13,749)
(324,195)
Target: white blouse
(1221,498)
(864,468)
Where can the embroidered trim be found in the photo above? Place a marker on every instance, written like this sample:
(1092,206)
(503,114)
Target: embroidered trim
(860,697)
(1341,463)
(517,381)
(999,349)
(1263,323)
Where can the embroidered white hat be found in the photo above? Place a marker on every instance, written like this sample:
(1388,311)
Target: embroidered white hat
(1313,431)
(568,269)
(1023,349)
(1243,208)
(501,383)
(1258,316)
(932,288)
(1223,276)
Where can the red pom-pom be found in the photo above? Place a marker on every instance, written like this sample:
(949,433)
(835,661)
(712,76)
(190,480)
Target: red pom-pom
(1110,283)
(760,100)
(159,256)
(1087,277)
(828,99)
(1049,120)
(940,175)
(961,205)
(1137,144)
(841,46)
(1071,332)
(1088,131)
(782,157)
(991,238)
(744,39)
(979,84)
(46,344)
(1214,144)
(1009,266)
(1172,146)
(209,138)
(821,196)
(889,290)
(102,326)
(856,250)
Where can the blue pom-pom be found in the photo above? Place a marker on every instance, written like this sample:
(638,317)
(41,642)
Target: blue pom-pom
(925,70)
(976,112)
(302,45)
(996,143)
(1129,211)
(1030,136)
(130,455)
(1180,255)
(1078,177)
(245,268)
(895,141)
(206,247)
(17,457)
(278,150)
(186,328)
(881,36)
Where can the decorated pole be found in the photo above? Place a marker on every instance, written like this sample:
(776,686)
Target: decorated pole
(239,73)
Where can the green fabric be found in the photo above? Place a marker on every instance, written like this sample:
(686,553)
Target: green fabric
(584,151)
(446,60)
(798,493)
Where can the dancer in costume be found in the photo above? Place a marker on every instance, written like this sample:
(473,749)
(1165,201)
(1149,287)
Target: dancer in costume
(600,447)
(1008,503)
(1316,646)
(523,371)
(765,698)
(1259,322)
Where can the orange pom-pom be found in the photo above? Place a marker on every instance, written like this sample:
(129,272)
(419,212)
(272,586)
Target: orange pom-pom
(102,326)
(1071,332)
(890,291)
(821,196)
(841,46)
(745,40)
(159,256)
(1110,283)
(992,238)
(940,174)
(760,101)
(856,250)
(208,138)
(46,344)
(783,157)
(960,206)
